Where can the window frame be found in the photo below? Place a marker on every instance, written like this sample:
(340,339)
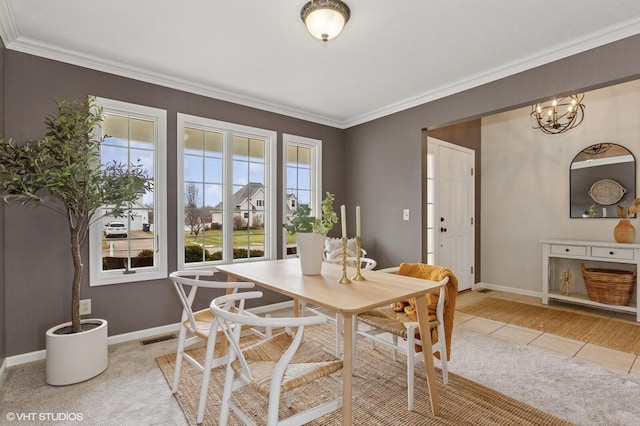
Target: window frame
(315,145)
(270,208)
(159,270)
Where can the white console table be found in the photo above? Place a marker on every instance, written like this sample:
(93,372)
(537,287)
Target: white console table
(559,255)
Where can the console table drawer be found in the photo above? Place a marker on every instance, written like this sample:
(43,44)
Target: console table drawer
(574,250)
(612,253)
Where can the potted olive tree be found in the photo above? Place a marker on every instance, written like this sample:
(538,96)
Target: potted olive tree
(310,232)
(62,172)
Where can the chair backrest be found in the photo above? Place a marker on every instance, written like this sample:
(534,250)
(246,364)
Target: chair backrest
(365,262)
(229,311)
(440,304)
(333,248)
(333,253)
(184,279)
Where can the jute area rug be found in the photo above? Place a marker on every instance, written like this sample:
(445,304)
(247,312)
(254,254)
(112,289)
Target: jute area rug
(609,333)
(380,394)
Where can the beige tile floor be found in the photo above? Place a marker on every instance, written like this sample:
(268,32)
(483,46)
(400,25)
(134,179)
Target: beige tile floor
(609,358)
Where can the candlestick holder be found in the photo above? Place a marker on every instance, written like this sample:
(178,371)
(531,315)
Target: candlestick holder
(358,276)
(344,279)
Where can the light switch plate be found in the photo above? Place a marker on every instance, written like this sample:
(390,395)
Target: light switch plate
(405,214)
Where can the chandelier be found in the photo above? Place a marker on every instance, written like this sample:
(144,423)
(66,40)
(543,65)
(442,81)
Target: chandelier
(325,18)
(558,116)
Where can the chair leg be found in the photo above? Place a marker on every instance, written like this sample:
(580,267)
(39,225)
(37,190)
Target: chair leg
(395,351)
(274,406)
(206,373)
(411,357)
(226,395)
(176,375)
(339,330)
(445,368)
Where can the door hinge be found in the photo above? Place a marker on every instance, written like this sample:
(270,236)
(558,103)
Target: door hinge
(472,171)
(472,221)
(472,269)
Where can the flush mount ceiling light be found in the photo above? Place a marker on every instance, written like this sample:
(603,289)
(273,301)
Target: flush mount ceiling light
(325,18)
(559,115)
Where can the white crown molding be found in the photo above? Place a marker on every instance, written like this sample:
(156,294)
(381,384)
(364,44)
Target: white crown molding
(10,35)
(44,50)
(607,35)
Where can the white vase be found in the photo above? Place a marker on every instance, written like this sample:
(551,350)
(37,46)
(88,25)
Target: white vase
(310,248)
(76,357)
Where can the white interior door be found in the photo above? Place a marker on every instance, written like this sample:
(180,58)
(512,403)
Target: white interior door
(453,206)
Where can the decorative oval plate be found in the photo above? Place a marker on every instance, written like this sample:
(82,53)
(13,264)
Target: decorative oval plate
(606,191)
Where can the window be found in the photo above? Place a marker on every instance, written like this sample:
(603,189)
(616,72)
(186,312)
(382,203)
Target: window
(132,247)
(302,180)
(431,196)
(226,178)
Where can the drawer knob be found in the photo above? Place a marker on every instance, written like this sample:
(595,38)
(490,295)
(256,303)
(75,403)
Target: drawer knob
(611,253)
(567,250)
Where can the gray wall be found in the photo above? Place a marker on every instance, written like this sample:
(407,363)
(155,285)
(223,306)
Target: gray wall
(384,156)
(38,264)
(3,347)
(380,161)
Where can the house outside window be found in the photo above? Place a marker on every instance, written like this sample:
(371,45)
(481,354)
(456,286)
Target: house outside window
(132,247)
(222,165)
(302,181)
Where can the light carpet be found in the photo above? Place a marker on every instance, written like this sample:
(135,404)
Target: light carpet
(610,333)
(379,394)
(133,391)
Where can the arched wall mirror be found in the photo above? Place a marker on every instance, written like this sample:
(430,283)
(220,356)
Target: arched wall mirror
(601,176)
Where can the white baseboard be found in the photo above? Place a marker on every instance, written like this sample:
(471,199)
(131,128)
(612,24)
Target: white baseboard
(26,357)
(144,334)
(523,292)
(125,337)
(3,371)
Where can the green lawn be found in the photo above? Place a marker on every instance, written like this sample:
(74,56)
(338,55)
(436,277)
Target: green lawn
(241,238)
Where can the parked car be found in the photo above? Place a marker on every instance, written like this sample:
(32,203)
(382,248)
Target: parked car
(115,228)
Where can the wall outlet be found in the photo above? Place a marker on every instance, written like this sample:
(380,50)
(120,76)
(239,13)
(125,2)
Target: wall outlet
(85,307)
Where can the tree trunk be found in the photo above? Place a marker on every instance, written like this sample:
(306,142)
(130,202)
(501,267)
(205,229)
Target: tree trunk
(77,280)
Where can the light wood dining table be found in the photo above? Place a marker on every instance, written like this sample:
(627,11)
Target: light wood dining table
(379,289)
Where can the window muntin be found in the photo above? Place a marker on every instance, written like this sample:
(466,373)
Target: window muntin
(302,180)
(229,165)
(132,134)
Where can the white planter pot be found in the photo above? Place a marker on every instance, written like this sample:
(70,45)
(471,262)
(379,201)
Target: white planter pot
(310,248)
(76,357)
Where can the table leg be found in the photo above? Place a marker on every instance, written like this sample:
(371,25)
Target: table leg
(425,337)
(296,307)
(347,369)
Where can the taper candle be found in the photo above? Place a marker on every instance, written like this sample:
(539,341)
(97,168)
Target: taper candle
(358,229)
(343,219)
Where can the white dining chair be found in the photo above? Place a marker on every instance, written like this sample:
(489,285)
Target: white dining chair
(274,366)
(385,326)
(198,326)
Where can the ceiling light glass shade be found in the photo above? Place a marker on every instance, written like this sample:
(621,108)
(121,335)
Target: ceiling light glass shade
(559,115)
(325,18)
